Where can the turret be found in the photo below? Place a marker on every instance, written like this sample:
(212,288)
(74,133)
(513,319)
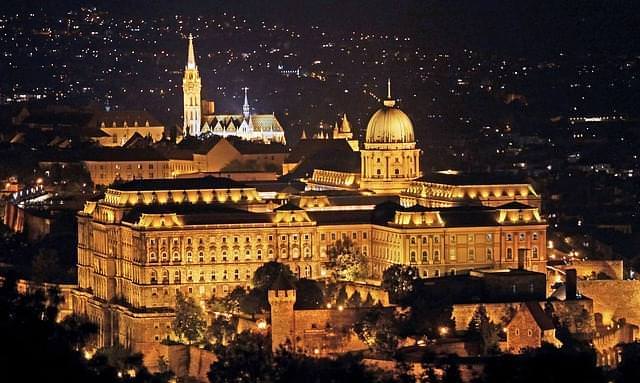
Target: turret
(282,297)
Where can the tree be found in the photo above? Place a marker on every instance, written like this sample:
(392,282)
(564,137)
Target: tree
(266,274)
(629,368)
(355,300)
(399,281)
(369,301)
(38,348)
(429,309)
(346,261)
(484,330)
(376,328)
(247,359)
(188,323)
(223,329)
(45,267)
(342,296)
(309,294)
(545,364)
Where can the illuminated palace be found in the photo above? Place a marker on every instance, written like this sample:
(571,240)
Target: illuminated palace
(200,118)
(148,239)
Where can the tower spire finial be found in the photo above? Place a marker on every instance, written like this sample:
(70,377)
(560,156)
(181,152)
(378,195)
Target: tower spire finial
(389,102)
(245,107)
(191,56)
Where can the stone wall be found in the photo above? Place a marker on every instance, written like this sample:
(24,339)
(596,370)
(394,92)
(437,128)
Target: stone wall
(462,313)
(587,269)
(182,360)
(614,298)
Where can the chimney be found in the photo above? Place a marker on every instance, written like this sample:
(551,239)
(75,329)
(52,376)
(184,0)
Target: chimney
(571,284)
(522,256)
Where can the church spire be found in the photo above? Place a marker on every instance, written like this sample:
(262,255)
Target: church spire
(191,88)
(191,56)
(245,108)
(389,102)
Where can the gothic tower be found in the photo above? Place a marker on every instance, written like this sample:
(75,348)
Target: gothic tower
(390,160)
(191,86)
(282,297)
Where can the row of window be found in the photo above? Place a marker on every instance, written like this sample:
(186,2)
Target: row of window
(305,272)
(225,256)
(471,255)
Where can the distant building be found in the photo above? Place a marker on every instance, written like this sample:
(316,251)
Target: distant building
(200,117)
(529,328)
(192,156)
(116,128)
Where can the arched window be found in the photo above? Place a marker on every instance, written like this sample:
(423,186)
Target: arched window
(164,256)
(189,257)
(202,276)
(224,275)
(509,253)
(425,256)
(307,252)
(534,252)
(190,276)
(176,256)
(413,256)
(152,256)
(165,276)
(213,275)
(154,277)
(307,271)
(176,276)
(259,254)
(236,274)
(201,256)
(436,255)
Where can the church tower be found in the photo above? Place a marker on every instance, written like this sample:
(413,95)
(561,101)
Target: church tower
(191,87)
(390,159)
(246,111)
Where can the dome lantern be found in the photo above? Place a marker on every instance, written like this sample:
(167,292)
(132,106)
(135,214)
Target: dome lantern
(389,125)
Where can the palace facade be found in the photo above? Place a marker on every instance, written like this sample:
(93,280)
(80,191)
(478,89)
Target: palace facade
(148,239)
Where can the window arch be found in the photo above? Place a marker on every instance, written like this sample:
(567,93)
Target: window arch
(154,277)
(509,253)
(534,252)
(176,276)
(413,256)
(425,256)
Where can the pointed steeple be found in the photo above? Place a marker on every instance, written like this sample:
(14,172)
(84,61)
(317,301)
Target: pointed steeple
(389,102)
(245,107)
(304,135)
(191,56)
(346,125)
